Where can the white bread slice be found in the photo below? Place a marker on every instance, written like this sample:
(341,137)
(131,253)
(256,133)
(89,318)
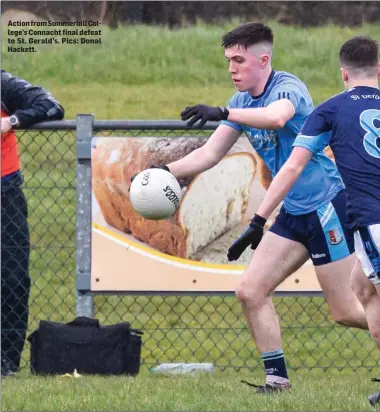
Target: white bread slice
(213,201)
(216,200)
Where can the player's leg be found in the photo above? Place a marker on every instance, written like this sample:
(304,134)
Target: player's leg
(331,246)
(365,281)
(274,260)
(344,305)
(367,295)
(365,278)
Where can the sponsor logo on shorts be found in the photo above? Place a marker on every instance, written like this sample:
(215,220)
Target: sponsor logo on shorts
(318,255)
(335,237)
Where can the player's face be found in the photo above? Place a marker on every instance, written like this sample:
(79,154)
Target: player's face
(245,67)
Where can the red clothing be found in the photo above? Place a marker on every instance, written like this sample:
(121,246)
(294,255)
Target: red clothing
(10,160)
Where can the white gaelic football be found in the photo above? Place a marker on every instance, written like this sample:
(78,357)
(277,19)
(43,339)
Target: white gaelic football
(155,194)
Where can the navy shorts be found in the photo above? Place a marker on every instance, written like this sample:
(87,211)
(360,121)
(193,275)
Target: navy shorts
(324,232)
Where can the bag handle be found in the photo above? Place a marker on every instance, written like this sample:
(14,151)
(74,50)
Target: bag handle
(84,321)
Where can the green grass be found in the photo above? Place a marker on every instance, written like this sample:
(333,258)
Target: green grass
(129,75)
(153,73)
(136,55)
(203,393)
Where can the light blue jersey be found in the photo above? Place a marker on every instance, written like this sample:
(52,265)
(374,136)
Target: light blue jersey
(320,181)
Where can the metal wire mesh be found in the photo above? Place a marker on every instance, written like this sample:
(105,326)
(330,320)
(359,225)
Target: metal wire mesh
(213,329)
(176,328)
(48,162)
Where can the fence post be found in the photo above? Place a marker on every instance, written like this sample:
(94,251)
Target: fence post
(84,134)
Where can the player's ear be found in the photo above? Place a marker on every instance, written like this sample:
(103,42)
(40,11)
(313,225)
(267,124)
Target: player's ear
(264,60)
(378,69)
(344,74)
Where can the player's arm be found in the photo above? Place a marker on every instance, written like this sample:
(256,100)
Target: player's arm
(313,138)
(281,184)
(207,156)
(274,116)
(281,105)
(284,180)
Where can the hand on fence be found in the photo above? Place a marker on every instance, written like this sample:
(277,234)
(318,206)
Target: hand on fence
(203,114)
(252,236)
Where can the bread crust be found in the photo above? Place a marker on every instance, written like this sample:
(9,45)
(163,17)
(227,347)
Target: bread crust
(116,160)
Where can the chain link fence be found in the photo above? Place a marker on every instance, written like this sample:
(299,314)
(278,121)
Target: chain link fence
(176,328)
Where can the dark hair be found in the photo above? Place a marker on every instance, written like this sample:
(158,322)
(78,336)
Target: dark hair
(360,52)
(247,35)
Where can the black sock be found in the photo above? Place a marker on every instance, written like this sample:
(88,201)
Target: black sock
(274,363)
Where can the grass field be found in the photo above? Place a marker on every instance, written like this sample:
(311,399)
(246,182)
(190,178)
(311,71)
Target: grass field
(153,73)
(143,64)
(205,393)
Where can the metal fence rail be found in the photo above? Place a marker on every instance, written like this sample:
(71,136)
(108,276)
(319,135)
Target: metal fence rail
(176,328)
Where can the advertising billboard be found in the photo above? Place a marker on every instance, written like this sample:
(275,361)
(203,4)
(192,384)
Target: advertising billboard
(187,252)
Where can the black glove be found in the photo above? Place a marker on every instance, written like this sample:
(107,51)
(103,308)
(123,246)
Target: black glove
(252,236)
(204,114)
(150,167)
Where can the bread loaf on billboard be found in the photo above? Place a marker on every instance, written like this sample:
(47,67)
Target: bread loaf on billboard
(213,201)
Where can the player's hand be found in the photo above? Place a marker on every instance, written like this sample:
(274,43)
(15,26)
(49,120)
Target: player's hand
(203,114)
(164,167)
(252,236)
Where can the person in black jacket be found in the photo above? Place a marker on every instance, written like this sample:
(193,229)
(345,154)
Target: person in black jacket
(22,105)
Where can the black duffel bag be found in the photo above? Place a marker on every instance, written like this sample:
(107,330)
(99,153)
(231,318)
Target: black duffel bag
(86,346)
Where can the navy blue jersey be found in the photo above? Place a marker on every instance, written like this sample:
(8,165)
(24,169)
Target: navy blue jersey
(350,123)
